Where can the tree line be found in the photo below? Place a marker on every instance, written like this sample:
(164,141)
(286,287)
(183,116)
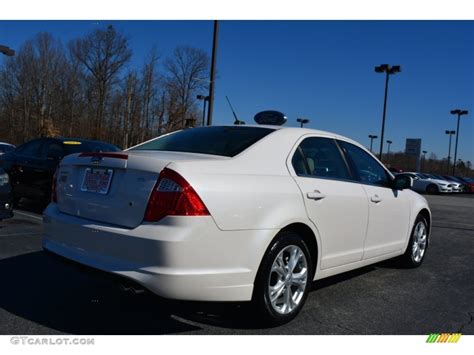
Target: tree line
(428,164)
(87,88)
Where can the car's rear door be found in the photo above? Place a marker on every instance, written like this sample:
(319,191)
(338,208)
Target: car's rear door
(389,209)
(336,204)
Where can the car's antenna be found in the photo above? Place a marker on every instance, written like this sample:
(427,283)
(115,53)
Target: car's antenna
(237,121)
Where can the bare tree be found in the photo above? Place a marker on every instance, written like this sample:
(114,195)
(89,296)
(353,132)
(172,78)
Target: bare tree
(103,53)
(187,72)
(149,92)
(82,92)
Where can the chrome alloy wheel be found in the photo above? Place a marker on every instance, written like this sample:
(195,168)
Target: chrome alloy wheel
(288,279)
(420,239)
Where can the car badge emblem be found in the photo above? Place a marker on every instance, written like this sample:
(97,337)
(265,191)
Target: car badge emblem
(96,159)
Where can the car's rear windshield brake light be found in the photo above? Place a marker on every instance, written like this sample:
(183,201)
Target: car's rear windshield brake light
(104,155)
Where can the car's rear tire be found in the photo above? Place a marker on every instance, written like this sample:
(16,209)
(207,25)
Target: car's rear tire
(283,280)
(417,245)
(432,189)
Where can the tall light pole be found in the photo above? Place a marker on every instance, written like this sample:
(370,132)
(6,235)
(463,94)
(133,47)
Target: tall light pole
(213,73)
(389,142)
(449,149)
(388,70)
(424,159)
(302,121)
(6,50)
(459,113)
(372,137)
(205,99)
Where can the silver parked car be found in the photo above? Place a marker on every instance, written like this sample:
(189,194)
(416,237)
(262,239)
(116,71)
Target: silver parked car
(423,183)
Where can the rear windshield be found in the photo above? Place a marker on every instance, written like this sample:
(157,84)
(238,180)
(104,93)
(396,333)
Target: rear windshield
(71,147)
(225,141)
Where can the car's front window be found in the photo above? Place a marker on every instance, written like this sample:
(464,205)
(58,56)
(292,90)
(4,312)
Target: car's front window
(367,168)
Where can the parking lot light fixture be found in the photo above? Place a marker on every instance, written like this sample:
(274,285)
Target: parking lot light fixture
(302,121)
(212,84)
(449,149)
(372,137)
(459,113)
(388,70)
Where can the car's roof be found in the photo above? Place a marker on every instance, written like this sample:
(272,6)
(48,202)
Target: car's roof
(5,143)
(299,130)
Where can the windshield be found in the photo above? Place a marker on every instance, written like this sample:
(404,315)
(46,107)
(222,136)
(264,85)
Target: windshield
(220,140)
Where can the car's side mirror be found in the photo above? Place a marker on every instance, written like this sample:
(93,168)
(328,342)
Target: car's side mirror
(402,182)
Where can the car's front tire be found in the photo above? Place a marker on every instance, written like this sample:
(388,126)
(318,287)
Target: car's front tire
(284,279)
(417,245)
(432,189)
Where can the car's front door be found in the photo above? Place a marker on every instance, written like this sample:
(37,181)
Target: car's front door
(389,209)
(24,170)
(336,205)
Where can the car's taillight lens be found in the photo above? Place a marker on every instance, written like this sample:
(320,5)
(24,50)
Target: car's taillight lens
(54,197)
(173,196)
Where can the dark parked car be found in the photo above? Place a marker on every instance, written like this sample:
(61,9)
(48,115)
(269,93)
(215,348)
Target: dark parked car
(6,208)
(31,166)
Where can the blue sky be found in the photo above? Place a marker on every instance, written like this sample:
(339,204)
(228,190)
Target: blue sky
(322,70)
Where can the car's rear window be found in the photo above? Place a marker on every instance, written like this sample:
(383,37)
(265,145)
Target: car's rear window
(71,147)
(222,140)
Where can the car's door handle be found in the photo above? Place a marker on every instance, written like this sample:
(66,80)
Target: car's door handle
(315,195)
(375,198)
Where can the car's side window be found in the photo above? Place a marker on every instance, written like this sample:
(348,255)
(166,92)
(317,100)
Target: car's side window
(30,149)
(320,157)
(368,169)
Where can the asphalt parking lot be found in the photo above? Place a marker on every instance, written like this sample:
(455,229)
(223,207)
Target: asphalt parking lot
(41,294)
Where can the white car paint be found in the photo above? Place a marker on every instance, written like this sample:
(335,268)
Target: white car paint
(250,198)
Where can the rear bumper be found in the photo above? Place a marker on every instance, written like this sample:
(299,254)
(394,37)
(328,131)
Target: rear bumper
(185,258)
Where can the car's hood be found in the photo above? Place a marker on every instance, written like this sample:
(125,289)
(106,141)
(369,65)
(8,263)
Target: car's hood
(438,181)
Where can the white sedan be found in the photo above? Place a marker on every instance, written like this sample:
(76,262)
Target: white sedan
(235,213)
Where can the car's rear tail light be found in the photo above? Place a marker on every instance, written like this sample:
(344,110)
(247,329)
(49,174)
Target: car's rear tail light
(54,197)
(173,196)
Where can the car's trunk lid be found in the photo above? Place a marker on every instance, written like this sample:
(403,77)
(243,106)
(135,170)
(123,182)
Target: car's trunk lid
(133,175)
